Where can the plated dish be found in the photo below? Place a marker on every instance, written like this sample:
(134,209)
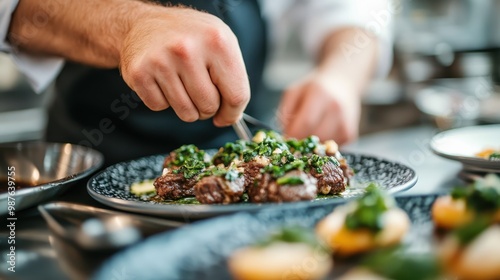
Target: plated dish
(469,145)
(311,242)
(267,168)
(113,187)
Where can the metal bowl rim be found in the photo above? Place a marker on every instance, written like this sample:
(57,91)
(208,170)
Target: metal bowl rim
(97,156)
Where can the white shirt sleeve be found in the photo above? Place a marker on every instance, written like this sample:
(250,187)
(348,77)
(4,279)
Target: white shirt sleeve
(314,20)
(40,71)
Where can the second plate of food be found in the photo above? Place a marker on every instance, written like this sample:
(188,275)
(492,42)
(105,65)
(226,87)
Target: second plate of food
(112,187)
(450,236)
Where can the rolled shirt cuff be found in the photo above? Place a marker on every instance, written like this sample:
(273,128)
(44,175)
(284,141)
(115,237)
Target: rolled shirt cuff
(39,71)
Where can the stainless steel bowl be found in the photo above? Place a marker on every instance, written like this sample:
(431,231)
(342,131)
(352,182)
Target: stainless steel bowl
(50,168)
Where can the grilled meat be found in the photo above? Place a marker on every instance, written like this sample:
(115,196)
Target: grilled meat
(174,186)
(252,170)
(268,189)
(169,160)
(346,169)
(217,189)
(267,164)
(331,179)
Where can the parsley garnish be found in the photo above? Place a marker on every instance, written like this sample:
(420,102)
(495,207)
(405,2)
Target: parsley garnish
(231,151)
(187,152)
(316,162)
(392,264)
(495,156)
(482,196)
(191,167)
(369,210)
(294,234)
(290,181)
(468,232)
(264,148)
(304,146)
(230,174)
(282,163)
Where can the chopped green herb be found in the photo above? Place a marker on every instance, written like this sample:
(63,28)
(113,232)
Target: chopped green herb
(244,197)
(369,209)
(187,152)
(187,200)
(304,146)
(273,135)
(294,234)
(264,148)
(282,158)
(231,151)
(494,156)
(482,196)
(392,264)
(230,174)
(282,163)
(468,232)
(290,181)
(317,162)
(191,167)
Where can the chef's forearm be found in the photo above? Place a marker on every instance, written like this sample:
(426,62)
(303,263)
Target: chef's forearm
(90,31)
(349,54)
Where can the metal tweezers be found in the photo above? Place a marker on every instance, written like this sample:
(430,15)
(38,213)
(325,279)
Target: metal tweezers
(242,130)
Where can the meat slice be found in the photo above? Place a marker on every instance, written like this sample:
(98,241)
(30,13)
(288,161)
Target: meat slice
(168,162)
(346,169)
(267,189)
(331,179)
(252,170)
(332,149)
(174,186)
(216,189)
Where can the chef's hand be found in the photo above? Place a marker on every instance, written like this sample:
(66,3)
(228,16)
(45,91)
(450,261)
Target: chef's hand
(327,102)
(188,60)
(321,105)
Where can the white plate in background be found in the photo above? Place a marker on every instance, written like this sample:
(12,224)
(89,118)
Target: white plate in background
(462,144)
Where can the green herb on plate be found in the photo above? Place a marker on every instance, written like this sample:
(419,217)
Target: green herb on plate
(398,265)
(369,209)
(290,181)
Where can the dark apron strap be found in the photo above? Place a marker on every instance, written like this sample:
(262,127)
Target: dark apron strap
(94,107)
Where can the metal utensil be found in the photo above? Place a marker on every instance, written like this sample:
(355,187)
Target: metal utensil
(94,228)
(251,120)
(242,130)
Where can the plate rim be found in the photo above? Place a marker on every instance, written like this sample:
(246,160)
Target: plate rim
(207,210)
(465,160)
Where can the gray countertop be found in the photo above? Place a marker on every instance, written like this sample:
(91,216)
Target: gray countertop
(410,146)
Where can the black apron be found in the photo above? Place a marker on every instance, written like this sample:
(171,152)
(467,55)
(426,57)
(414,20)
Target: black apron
(95,108)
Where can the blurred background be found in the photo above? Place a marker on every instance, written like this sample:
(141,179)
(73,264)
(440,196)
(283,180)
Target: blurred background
(446,73)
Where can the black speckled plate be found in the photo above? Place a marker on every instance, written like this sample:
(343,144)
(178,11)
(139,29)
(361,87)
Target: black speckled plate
(200,251)
(111,187)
